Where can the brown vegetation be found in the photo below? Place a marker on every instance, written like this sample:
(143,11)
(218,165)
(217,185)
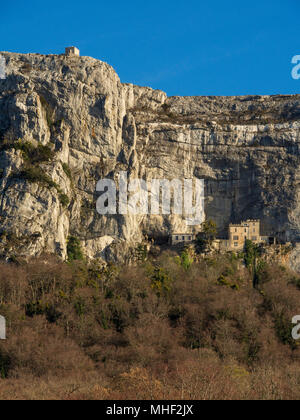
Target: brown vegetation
(162,330)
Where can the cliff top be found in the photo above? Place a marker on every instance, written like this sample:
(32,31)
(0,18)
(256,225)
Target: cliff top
(246,109)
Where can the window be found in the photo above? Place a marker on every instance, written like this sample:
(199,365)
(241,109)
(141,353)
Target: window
(235,229)
(183,238)
(235,238)
(190,238)
(245,230)
(235,244)
(254,238)
(176,238)
(253,230)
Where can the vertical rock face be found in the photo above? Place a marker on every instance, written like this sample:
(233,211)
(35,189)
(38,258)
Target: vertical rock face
(245,148)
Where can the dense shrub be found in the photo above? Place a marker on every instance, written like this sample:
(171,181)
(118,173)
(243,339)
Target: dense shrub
(36,174)
(64,199)
(67,170)
(31,153)
(74,249)
(157,330)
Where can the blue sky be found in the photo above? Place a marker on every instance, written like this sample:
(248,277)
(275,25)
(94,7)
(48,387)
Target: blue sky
(184,48)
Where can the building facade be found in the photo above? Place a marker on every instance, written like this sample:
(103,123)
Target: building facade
(239,233)
(72,51)
(177,238)
(237,236)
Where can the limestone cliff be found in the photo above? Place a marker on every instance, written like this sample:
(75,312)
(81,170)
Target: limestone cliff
(246,149)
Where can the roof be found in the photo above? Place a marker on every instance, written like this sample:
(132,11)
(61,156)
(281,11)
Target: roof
(186,233)
(241,224)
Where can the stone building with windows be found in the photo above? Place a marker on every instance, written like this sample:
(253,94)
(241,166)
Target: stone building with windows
(72,52)
(238,233)
(177,238)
